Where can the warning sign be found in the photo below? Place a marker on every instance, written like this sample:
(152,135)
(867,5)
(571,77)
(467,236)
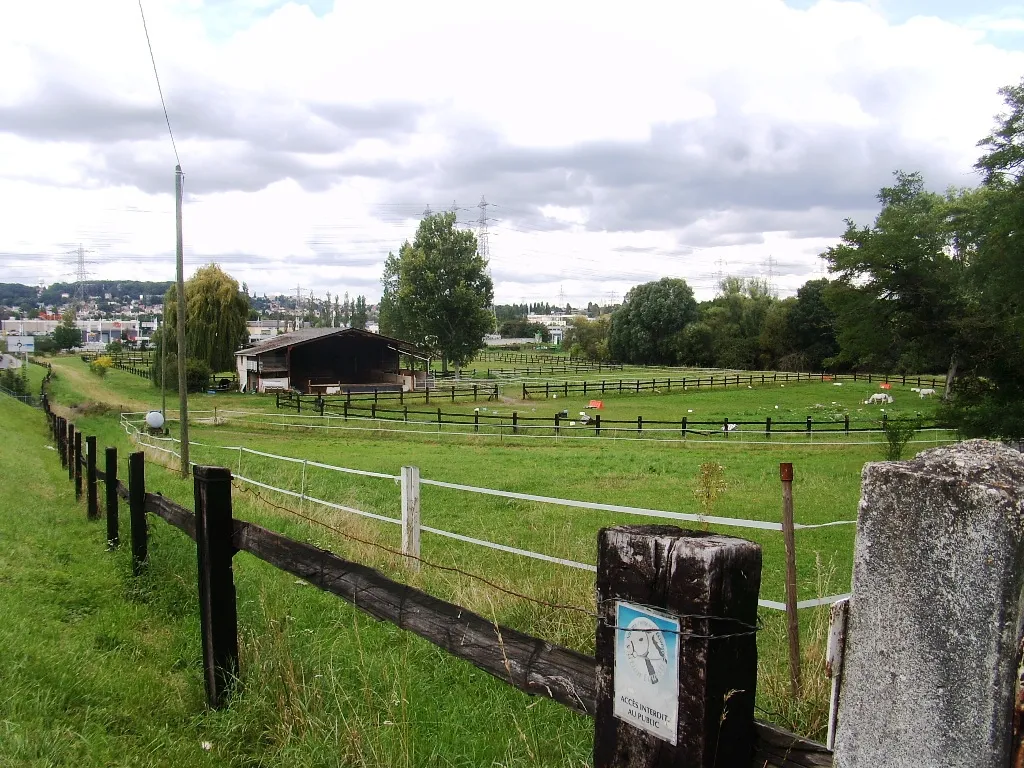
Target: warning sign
(647,670)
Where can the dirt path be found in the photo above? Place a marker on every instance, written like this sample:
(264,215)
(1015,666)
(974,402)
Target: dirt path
(92,389)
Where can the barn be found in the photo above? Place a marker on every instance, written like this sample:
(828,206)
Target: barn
(331,360)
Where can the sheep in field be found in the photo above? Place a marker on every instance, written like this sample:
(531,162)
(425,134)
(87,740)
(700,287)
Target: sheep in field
(878,397)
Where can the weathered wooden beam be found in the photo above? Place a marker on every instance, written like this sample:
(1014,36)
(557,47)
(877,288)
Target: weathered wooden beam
(525,662)
(175,514)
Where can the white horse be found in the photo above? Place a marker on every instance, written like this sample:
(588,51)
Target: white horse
(878,397)
(926,392)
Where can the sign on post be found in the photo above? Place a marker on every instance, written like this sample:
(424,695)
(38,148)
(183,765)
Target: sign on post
(647,670)
(21,344)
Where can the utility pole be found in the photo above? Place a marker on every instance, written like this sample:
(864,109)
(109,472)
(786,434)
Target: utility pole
(163,369)
(179,178)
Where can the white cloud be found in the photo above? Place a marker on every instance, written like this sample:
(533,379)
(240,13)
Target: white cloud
(311,144)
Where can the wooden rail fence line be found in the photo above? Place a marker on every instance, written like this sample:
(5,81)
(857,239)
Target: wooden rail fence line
(604,386)
(709,646)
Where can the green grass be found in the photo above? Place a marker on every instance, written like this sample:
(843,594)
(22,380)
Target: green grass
(98,668)
(628,471)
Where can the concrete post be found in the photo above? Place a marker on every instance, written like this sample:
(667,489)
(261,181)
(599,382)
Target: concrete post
(936,614)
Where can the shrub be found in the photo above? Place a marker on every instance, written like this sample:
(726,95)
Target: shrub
(898,432)
(101,365)
(197,375)
(708,486)
(115,347)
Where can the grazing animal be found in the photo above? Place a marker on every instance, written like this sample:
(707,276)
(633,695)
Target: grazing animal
(878,397)
(915,389)
(926,392)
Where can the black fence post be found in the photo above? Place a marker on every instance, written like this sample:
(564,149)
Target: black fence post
(61,432)
(110,477)
(547,389)
(92,501)
(515,422)
(597,424)
(137,510)
(846,424)
(78,465)
(639,425)
(476,421)
(682,427)
(809,422)
(768,428)
(405,413)
(217,609)
(71,449)
(725,427)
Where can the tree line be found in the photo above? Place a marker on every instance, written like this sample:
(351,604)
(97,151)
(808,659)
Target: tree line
(932,285)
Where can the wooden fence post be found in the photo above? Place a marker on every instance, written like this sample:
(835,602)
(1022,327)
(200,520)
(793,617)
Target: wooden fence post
(217,610)
(61,432)
(515,422)
(683,427)
(78,465)
(411,516)
(70,438)
(793,625)
(675,649)
(137,510)
(768,428)
(92,501)
(110,478)
(639,425)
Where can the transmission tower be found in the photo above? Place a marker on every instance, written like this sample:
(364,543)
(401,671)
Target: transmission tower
(77,261)
(720,274)
(483,248)
(426,211)
(771,273)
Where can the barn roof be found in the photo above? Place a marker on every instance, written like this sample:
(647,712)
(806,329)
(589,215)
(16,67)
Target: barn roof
(306,335)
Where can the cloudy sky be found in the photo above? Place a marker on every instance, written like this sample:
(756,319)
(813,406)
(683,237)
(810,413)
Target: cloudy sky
(615,143)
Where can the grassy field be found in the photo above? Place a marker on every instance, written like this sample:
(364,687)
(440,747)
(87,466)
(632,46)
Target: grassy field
(101,669)
(629,471)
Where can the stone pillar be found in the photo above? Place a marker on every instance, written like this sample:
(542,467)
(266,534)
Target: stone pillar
(936,614)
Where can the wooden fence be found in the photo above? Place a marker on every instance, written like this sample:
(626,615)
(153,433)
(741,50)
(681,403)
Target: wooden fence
(344,403)
(562,423)
(527,359)
(716,642)
(605,386)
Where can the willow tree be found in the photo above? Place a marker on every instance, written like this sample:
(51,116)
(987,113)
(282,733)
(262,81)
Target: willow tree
(215,315)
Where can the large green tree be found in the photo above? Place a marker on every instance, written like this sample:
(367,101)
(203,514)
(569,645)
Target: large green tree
(215,316)
(811,326)
(990,400)
(902,291)
(646,328)
(67,335)
(437,292)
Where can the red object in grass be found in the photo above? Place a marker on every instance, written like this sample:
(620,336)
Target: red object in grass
(596,404)
(886,385)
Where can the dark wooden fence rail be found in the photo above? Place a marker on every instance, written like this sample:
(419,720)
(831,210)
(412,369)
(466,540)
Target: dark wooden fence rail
(496,356)
(318,403)
(528,663)
(604,386)
(563,422)
(498,373)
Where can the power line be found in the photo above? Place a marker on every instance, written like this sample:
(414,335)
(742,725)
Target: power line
(159,89)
